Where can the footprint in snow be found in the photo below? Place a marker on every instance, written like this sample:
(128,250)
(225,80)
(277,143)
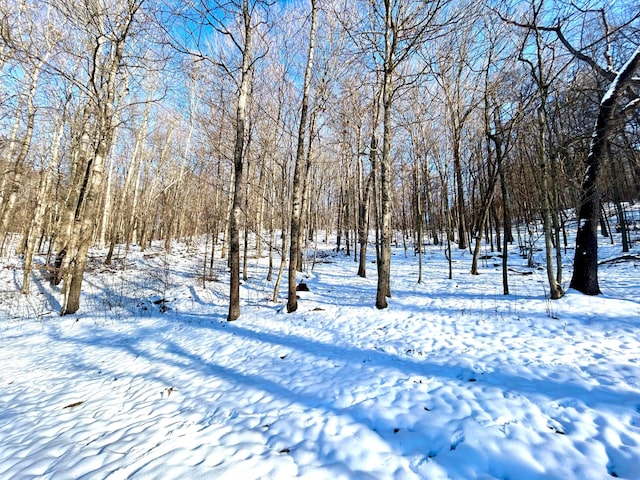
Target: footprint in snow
(555,426)
(457,439)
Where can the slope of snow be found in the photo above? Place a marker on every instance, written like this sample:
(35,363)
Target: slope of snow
(453,380)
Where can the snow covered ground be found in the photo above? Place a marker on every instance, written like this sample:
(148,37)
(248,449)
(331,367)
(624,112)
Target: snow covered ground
(453,380)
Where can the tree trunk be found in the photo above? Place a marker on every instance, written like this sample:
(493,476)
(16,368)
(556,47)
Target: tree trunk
(585,260)
(383,289)
(555,289)
(238,163)
(418,217)
(106,207)
(506,221)
(271,241)
(283,262)
(363,226)
(617,200)
(460,210)
(95,145)
(537,71)
(487,200)
(84,220)
(300,174)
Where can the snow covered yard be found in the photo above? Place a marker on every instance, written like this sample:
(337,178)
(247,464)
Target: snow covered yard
(454,380)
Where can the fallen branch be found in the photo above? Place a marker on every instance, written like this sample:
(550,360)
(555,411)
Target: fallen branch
(520,273)
(620,259)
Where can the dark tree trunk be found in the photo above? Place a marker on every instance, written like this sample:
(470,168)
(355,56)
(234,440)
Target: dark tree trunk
(585,261)
(508,236)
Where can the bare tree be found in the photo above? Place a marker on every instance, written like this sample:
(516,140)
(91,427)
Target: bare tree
(585,260)
(403,27)
(238,159)
(457,74)
(29,48)
(19,145)
(234,29)
(43,200)
(502,110)
(620,99)
(541,68)
(300,170)
(105,34)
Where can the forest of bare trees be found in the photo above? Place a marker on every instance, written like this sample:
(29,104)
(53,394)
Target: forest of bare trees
(263,124)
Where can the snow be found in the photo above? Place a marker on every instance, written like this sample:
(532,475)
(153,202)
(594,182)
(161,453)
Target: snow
(453,380)
(626,72)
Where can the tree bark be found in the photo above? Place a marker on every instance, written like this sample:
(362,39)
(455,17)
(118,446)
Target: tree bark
(460,210)
(300,174)
(363,207)
(383,289)
(555,289)
(418,215)
(506,237)
(585,260)
(84,219)
(238,163)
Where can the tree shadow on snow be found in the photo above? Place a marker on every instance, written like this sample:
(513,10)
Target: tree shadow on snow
(405,439)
